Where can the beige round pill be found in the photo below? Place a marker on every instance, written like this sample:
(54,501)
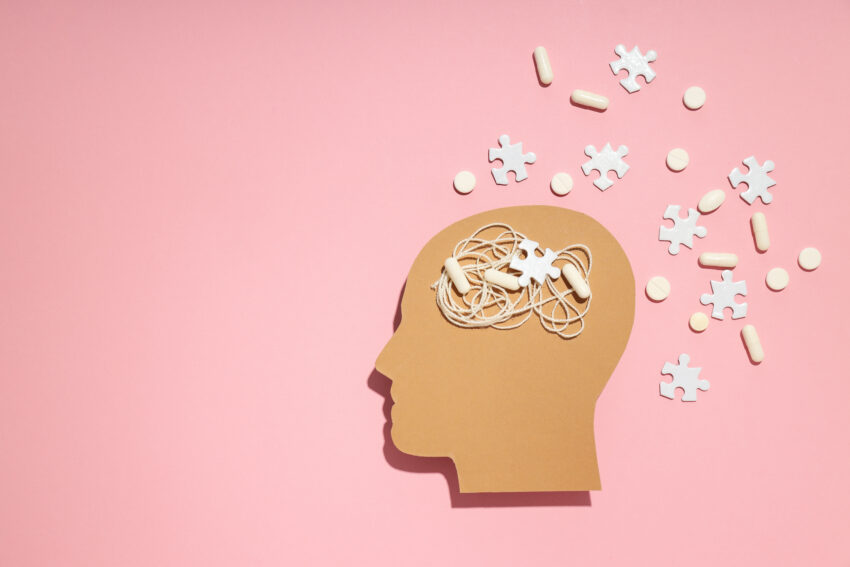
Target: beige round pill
(562,183)
(464,182)
(777,279)
(658,288)
(694,98)
(698,322)
(677,159)
(809,259)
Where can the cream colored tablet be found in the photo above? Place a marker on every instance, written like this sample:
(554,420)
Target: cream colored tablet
(457,276)
(464,182)
(694,98)
(809,259)
(677,159)
(753,344)
(591,100)
(711,201)
(759,223)
(718,259)
(576,281)
(562,183)
(698,322)
(541,61)
(777,279)
(501,279)
(658,288)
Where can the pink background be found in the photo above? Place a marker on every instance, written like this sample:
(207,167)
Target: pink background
(207,212)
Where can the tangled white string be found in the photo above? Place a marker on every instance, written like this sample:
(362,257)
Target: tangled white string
(489,305)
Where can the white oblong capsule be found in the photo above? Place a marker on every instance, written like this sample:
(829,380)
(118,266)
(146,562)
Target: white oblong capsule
(591,100)
(576,281)
(457,276)
(711,201)
(541,61)
(718,259)
(759,224)
(753,344)
(501,279)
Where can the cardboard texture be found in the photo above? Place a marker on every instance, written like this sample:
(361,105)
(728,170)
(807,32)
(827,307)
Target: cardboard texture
(513,409)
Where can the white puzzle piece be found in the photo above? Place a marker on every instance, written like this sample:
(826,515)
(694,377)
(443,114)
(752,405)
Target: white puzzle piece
(683,231)
(684,377)
(756,179)
(605,161)
(637,65)
(724,296)
(512,159)
(534,266)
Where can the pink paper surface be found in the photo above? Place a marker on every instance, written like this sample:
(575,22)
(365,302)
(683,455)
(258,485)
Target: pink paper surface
(207,213)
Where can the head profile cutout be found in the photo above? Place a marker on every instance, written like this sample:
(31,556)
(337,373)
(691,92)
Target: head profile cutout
(512,407)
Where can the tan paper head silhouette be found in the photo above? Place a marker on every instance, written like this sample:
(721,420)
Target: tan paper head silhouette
(512,408)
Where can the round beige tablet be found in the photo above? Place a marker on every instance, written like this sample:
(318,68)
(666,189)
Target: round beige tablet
(561,183)
(809,259)
(677,159)
(694,98)
(698,322)
(658,288)
(464,182)
(777,279)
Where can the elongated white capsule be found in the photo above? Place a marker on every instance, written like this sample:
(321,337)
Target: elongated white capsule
(718,259)
(541,61)
(753,344)
(759,223)
(501,279)
(576,281)
(711,201)
(591,100)
(457,276)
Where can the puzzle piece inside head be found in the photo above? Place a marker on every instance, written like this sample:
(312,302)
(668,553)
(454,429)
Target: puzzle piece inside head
(683,231)
(534,266)
(512,159)
(605,161)
(637,65)
(724,296)
(685,378)
(756,179)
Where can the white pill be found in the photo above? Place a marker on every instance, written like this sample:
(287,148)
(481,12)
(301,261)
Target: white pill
(677,159)
(541,61)
(809,259)
(658,288)
(464,182)
(711,201)
(753,344)
(698,322)
(562,183)
(589,99)
(777,279)
(759,224)
(694,98)
(457,276)
(576,281)
(501,279)
(718,259)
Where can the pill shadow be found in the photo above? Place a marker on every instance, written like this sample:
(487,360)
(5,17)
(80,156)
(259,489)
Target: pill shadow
(536,74)
(744,343)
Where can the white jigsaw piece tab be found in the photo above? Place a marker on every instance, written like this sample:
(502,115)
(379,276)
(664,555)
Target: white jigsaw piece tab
(684,377)
(512,159)
(756,179)
(683,231)
(636,63)
(534,266)
(723,296)
(605,161)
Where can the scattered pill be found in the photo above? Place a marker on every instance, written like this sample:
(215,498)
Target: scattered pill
(753,344)
(809,259)
(694,98)
(711,201)
(718,260)
(677,159)
(464,182)
(457,276)
(562,183)
(759,223)
(591,100)
(658,288)
(576,281)
(698,322)
(777,279)
(541,61)
(502,279)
